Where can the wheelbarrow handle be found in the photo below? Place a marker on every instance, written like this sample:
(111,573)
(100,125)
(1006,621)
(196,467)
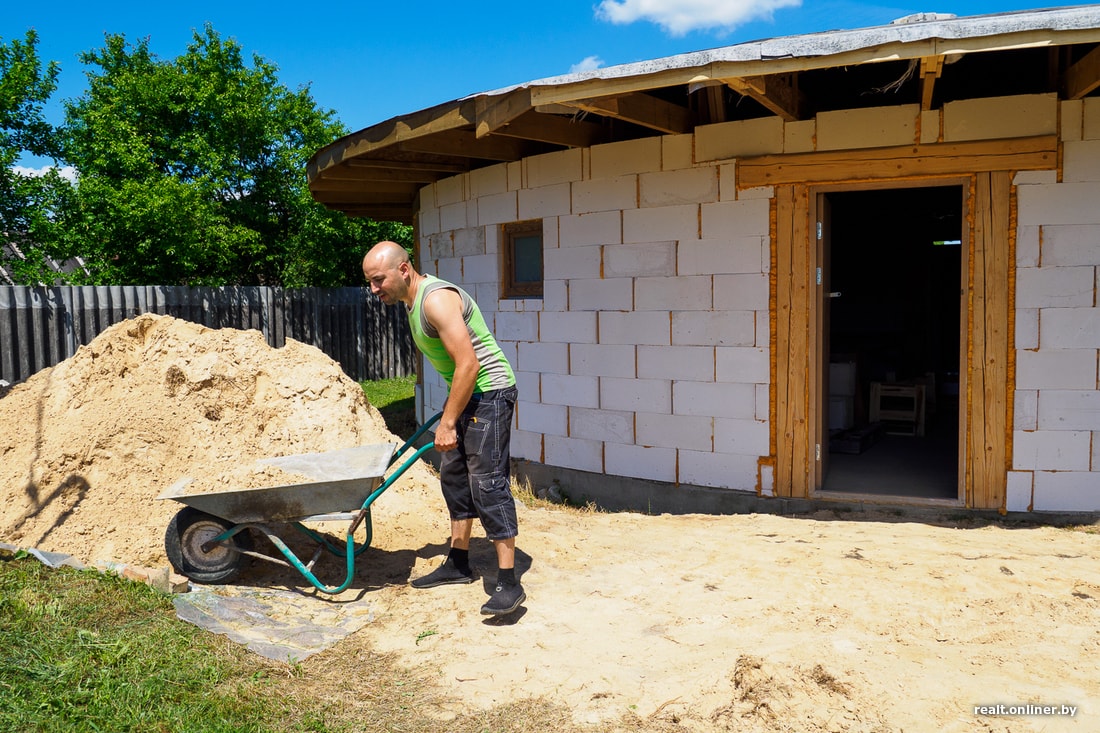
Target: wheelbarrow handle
(416,436)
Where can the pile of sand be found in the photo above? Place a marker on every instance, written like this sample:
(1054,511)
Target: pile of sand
(88,444)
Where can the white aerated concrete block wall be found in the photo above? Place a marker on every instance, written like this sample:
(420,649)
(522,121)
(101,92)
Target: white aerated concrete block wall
(647,356)
(1056,421)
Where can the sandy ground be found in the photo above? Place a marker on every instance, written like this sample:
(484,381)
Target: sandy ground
(834,622)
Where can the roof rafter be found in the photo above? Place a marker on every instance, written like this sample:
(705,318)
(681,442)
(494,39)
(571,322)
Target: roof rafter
(777,92)
(640,109)
(1083,76)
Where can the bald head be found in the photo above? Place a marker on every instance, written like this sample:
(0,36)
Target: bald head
(386,255)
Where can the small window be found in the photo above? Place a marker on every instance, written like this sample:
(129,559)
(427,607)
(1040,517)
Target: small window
(521,244)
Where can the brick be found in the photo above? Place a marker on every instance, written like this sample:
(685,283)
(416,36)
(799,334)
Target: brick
(1025,410)
(428,219)
(672,188)
(695,363)
(536,203)
(1071,246)
(543,357)
(441,245)
(677,151)
(1067,491)
(449,270)
(1065,328)
(525,445)
(653,464)
(874,127)
(610,425)
(562,389)
(578,230)
(718,470)
(694,432)
(743,138)
(1027,246)
(572,262)
(582,455)
(1023,115)
(741,292)
(492,179)
(1018,491)
(798,136)
(1035,178)
(564,166)
(468,242)
(555,296)
(527,383)
(635,327)
(763,408)
(638,260)
(714,399)
(455,216)
(1095,450)
(1056,369)
(714,328)
(746,365)
(1072,120)
(629,156)
(536,417)
(451,190)
(746,254)
(1090,125)
(1027,328)
(742,437)
(603,360)
(1054,287)
(568,327)
(689,293)
(1068,410)
(480,269)
(1081,161)
(636,395)
(498,209)
(1062,203)
(661,223)
(517,326)
(601,295)
(604,194)
(744,217)
(1051,450)
(930,126)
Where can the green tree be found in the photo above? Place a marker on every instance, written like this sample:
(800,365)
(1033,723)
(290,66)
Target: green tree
(192,171)
(27,203)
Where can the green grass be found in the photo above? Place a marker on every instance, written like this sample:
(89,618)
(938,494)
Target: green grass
(81,651)
(394,398)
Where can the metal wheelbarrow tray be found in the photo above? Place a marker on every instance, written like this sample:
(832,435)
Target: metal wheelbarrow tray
(208,540)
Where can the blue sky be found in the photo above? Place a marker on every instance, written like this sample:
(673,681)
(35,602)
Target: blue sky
(370,61)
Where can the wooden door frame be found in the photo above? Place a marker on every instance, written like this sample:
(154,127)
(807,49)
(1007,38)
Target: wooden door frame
(986,370)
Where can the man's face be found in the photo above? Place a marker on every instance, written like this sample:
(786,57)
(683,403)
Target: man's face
(387,282)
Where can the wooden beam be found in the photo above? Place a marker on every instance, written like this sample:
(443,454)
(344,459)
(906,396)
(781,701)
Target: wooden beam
(393,172)
(931,68)
(364,187)
(493,113)
(1031,153)
(555,130)
(1084,76)
(778,93)
(465,144)
(640,109)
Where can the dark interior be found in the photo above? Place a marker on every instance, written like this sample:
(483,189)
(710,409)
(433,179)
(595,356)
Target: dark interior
(894,324)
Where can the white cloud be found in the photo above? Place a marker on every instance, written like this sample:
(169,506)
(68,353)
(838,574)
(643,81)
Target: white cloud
(590,63)
(67,172)
(679,17)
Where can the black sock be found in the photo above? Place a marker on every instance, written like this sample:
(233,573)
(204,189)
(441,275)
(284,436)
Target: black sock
(460,558)
(506,576)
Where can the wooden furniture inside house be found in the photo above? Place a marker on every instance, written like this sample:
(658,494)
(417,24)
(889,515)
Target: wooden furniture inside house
(900,407)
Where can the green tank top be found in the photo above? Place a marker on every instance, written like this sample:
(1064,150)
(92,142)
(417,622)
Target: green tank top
(495,371)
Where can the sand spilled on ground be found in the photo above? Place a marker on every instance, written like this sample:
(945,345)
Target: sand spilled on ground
(827,622)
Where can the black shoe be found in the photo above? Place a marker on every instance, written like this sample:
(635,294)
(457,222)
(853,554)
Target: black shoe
(505,599)
(445,574)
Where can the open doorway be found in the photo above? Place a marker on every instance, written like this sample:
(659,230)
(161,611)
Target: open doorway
(894,270)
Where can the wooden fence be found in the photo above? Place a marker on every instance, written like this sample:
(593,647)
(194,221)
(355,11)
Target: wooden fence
(42,326)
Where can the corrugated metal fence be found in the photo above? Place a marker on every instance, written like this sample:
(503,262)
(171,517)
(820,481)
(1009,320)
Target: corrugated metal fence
(40,327)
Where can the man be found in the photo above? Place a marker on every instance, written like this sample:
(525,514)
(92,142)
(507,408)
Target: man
(473,434)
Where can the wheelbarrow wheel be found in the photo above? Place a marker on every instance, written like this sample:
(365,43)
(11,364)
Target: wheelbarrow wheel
(188,531)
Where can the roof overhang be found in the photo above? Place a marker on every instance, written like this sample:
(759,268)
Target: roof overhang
(378,171)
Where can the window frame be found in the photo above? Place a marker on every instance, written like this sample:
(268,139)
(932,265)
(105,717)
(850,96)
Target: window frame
(509,288)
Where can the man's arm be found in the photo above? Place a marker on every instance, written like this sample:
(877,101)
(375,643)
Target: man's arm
(443,309)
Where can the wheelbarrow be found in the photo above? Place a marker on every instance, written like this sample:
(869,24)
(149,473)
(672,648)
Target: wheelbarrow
(208,540)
